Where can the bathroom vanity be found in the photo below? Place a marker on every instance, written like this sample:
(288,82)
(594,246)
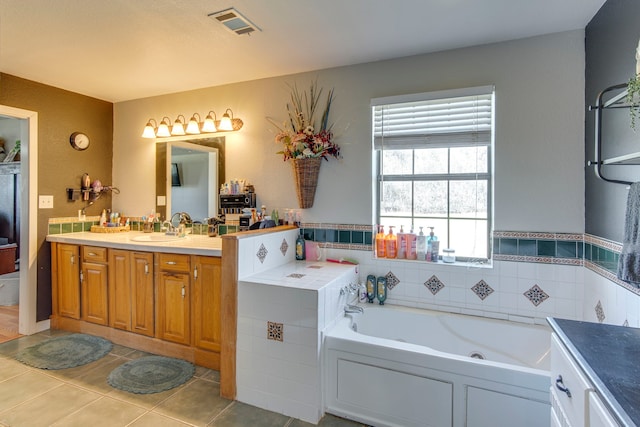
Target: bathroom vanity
(140,290)
(594,374)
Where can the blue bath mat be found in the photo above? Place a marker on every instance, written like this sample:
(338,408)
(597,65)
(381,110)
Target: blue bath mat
(151,374)
(63,352)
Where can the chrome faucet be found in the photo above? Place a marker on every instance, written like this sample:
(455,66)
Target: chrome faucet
(351,308)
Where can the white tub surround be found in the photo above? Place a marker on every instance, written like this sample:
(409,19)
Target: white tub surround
(10,288)
(282,313)
(412,368)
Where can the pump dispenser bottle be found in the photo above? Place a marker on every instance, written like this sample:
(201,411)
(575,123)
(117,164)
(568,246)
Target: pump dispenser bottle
(380,242)
(402,243)
(391,243)
(434,244)
(411,245)
(421,246)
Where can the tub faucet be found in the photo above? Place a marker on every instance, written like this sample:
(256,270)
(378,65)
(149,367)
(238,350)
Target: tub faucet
(351,308)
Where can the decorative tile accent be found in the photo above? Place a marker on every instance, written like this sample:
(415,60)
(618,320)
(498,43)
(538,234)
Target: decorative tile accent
(284,246)
(600,312)
(315,266)
(434,284)
(482,289)
(536,295)
(275,331)
(392,280)
(262,253)
(296,275)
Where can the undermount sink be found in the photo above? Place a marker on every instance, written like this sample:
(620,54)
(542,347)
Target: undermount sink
(156,238)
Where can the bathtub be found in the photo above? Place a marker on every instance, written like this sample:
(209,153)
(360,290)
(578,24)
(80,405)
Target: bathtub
(394,366)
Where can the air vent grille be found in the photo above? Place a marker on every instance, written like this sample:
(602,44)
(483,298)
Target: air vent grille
(234,21)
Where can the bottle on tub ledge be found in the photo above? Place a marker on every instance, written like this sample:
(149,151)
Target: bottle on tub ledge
(381,290)
(421,246)
(433,242)
(370,287)
(380,243)
(402,243)
(300,249)
(391,243)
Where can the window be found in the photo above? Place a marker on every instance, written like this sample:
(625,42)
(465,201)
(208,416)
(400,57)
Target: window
(434,153)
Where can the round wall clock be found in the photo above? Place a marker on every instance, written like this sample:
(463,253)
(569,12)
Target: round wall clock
(79,141)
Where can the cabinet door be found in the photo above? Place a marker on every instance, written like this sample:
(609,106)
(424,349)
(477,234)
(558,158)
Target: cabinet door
(206,303)
(599,416)
(68,280)
(119,289)
(94,293)
(142,293)
(173,307)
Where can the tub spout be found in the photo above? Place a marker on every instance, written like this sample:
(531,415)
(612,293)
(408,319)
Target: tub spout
(350,308)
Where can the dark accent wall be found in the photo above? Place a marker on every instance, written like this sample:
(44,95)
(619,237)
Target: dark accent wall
(60,113)
(611,40)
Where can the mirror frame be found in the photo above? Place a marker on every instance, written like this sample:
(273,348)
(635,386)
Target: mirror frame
(217,142)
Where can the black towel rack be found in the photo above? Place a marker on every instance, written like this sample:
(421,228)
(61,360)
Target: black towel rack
(617,101)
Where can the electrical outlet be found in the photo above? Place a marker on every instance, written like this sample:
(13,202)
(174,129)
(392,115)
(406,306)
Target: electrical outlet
(45,202)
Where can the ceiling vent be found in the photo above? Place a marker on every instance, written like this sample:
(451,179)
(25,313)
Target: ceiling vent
(234,21)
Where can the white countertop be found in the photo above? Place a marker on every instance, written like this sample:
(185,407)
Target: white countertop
(191,244)
(301,275)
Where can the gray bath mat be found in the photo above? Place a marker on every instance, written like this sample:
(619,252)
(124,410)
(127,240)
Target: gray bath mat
(63,352)
(151,374)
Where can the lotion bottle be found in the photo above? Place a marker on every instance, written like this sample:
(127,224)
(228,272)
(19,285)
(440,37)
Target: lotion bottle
(391,243)
(421,246)
(300,249)
(411,245)
(380,243)
(371,288)
(402,244)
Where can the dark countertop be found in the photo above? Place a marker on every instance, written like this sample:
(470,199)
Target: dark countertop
(610,357)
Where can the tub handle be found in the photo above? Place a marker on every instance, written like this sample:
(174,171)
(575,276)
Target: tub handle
(560,386)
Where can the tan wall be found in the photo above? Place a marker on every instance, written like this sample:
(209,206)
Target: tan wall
(60,113)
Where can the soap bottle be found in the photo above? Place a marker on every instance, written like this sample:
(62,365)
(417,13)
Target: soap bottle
(380,243)
(371,288)
(421,245)
(103,218)
(435,245)
(411,245)
(402,244)
(391,244)
(381,290)
(300,250)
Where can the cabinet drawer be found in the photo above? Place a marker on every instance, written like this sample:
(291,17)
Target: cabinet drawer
(173,262)
(94,254)
(574,402)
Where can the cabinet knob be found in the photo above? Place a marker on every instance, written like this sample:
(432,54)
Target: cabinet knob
(183,292)
(560,386)
(146,269)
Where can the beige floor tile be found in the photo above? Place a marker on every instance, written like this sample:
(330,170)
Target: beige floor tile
(328,421)
(197,403)
(104,412)
(240,415)
(148,401)
(207,374)
(10,367)
(152,419)
(48,407)
(119,350)
(69,374)
(96,378)
(24,387)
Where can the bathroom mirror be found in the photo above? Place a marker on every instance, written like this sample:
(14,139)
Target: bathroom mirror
(163,185)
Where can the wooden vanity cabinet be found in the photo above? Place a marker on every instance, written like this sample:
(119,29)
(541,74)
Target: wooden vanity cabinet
(206,302)
(174,298)
(67,275)
(131,291)
(94,285)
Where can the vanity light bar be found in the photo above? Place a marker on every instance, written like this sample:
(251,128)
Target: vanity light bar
(194,126)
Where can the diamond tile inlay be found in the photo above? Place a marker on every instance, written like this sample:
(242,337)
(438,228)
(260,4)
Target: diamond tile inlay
(296,275)
(482,289)
(284,246)
(536,295)
(262,253)
(600,312)
(434,284)
(275,331)
(392,280)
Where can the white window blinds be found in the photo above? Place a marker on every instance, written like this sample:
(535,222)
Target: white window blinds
(433,119)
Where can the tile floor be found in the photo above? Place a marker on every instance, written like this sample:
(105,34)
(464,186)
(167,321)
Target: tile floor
(81,397)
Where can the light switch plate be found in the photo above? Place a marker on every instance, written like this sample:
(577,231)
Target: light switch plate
(45,202)
(161,201)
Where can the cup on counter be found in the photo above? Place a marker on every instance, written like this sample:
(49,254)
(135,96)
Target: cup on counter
(313,251)
(147,227)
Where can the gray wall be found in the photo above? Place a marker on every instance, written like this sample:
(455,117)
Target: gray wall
(611,40)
